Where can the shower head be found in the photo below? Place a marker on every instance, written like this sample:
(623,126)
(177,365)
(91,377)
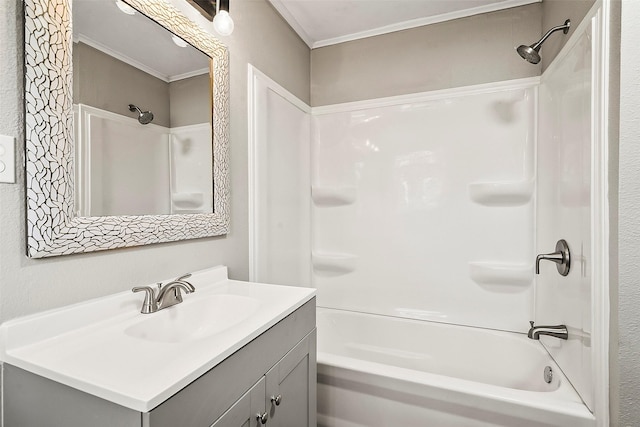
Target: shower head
(532,53)
(529,53)
(144,117)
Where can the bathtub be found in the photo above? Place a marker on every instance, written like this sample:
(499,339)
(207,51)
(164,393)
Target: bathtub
(379,371)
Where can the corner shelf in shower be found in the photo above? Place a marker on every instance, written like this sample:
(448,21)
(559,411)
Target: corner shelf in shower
(333,196)
(187,200)
(502,193)
(504,277)
(333,263)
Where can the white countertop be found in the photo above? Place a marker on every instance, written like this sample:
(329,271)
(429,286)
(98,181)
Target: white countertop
(84,345)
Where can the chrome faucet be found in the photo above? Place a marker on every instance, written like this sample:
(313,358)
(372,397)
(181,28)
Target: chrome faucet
(559,331)
(168,295)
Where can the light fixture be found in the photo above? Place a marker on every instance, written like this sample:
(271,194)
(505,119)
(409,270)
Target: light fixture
(125,8)
(216,11)
(178,41)
(222,22)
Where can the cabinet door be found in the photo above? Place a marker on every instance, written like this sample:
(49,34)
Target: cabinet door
(291,387)
(244,412)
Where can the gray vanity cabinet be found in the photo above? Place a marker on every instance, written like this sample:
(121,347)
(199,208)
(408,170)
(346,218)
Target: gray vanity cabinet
(290,399)
(284,397)
(280,362)
(244,412)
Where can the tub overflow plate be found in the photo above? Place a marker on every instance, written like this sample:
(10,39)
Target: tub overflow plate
(548,374)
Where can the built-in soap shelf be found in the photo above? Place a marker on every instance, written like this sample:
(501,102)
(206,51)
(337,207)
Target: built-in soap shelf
(333,263)
(502,193)
(187,200)
(505,277)
(333,196)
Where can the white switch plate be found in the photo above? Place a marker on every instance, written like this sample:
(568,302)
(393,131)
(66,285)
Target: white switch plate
(7,159)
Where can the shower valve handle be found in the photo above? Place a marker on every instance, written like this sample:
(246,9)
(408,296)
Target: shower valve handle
(562,258)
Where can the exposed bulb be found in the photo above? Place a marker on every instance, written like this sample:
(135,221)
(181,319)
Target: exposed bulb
(178,41)
(125,7)
(223,23)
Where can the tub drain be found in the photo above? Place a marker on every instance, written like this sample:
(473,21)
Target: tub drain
(548,374)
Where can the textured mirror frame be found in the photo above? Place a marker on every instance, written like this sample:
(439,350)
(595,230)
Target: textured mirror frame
(52,227)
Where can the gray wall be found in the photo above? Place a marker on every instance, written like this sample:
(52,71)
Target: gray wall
(107,83)
(466,51)
(555,12)
(614,158)
(190,101)
(628,313)
(28,285)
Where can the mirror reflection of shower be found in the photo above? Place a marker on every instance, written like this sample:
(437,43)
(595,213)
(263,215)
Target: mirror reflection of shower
(144,117)
(532,53)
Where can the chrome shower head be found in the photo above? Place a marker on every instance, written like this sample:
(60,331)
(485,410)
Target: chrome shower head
(529,53)
(532,53)
(144,117)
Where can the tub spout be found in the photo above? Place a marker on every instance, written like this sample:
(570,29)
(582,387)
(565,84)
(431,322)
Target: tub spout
(559,331)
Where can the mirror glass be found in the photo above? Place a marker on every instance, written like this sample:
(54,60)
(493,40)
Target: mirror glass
(142,110)
(100,173)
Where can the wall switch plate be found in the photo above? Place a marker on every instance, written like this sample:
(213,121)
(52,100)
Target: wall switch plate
(7,159)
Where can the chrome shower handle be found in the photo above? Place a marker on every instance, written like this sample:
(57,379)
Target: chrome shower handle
(556,257)
(562,258)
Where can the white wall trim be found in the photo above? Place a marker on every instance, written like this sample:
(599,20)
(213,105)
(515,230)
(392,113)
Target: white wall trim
(255,74)
(189,74)
(427,96)
(117,55)
(256,80)
(81,38)
(405,25)
(293,23)
(413,23)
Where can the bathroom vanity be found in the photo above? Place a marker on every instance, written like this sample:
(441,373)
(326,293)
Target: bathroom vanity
(256,364)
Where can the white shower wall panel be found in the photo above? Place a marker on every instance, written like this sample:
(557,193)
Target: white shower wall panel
(424,209)
(279,185)
(565,181)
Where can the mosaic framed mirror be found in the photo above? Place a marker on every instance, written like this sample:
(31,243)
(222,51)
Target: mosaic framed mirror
(56,224)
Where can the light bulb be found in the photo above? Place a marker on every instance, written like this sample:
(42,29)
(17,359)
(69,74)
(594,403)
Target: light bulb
(178,41)
(125,7)
(223,23)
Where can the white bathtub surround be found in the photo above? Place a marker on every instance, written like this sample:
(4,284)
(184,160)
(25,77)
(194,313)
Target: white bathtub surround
(431,208)
(279,181)
(423,205)
(379,370)
(104,347)
(572,204)
(165,171)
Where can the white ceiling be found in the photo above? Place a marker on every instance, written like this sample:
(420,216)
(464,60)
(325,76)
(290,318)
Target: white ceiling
(326,22)
(135,39)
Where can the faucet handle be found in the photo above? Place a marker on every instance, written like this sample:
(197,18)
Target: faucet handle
(149,305)
(531,323)
(185,276)
(562,258)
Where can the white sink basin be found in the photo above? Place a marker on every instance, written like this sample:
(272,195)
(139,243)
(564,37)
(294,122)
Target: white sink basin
(107,348)
(193,320)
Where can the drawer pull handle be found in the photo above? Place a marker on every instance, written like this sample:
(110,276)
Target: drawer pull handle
(276,399)
(262,418)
